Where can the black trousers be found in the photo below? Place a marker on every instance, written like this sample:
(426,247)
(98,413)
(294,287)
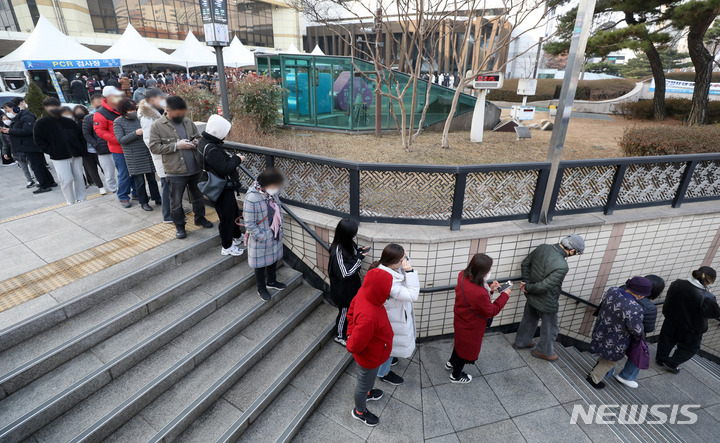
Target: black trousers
(142,192)
(90,164)
(260,276)
(177,187)
(227,211)
(688,344)
(341,323)
(40,169)
(458,364)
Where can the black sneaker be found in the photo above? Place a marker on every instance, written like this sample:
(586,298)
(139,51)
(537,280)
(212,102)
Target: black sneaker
(393,379)
(276,285)
(180,232)
(669,367)
(30,184)
(264,294)
(464,378)
(41,190)
(146,207)
(374,394)
(205,223)
(394,361)
(600,385)
(53,184)
(158,202)
(366,417)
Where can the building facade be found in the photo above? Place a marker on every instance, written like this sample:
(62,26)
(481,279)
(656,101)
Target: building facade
(267,24)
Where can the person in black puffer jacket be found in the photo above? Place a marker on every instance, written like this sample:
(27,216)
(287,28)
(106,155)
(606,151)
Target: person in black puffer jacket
(344,272)
(224,165)
(61,138)
(688,305)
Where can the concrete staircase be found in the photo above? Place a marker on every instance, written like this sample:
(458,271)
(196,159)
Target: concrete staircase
(182,349)
(575,365)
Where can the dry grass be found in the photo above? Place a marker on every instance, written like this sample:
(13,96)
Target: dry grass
(586,139)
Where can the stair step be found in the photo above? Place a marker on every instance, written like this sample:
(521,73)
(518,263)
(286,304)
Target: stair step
(108,408)
(77,379)
(36,356)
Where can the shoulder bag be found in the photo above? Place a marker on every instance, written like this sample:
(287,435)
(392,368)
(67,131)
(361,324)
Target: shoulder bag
(215,185)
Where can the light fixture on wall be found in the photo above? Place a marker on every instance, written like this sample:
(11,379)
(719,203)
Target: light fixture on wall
(276,7)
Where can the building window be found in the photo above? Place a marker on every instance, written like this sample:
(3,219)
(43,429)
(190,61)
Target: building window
(7,15)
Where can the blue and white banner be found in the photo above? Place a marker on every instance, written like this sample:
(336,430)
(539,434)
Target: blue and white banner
(71,64)
(56,85)
(681,87)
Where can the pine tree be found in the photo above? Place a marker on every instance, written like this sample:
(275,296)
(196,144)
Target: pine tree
(34,99)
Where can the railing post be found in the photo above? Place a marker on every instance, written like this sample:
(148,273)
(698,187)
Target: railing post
(684,183)
(458,201)
(615,189)
(554,196)
(539,195)
(269,161)
(354,189)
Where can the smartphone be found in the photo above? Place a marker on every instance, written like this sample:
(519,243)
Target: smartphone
(502,288)
(362,248)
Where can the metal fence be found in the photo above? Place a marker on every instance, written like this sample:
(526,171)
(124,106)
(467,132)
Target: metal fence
(456,195)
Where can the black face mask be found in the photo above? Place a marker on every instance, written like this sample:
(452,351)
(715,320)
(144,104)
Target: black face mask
(55,112)
(177,119)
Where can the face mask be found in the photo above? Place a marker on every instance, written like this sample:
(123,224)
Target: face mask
(71,117)
(23,105)
(177,119)
(10,114)
(80,116)
(57,112)
(7,122)
(131,115)
(163,103)
(487,277)
(272,191)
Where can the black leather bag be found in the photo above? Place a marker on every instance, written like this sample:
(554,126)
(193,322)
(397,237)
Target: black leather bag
(214,186)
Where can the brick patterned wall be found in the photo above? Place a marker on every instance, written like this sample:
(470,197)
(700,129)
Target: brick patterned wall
(668,247)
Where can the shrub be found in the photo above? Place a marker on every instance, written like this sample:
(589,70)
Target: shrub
(34,99)
(689,76)
(257,99)
(549,88)
(668,140)
(674,107)
(201,102)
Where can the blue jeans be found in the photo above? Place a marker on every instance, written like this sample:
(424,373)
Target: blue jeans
(125,182)
(385,368)
(165,191)
(629,372)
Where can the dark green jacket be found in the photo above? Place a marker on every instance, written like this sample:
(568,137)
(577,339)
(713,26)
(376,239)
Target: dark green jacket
(543,272)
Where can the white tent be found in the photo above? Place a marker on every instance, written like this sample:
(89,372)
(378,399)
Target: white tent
(237,55)
(317,51)
(133,48)
(194,53)
(49,48)
(292,49)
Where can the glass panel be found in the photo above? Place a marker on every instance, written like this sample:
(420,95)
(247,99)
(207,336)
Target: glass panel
(333,92)
(298,80)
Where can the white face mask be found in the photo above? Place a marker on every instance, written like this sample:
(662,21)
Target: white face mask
(7,122)
(69,116)
(10,114)
(163,103)
(487,277)
(272,191)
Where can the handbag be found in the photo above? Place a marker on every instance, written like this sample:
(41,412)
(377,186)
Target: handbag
(462,290)
(214,186)
(638,352)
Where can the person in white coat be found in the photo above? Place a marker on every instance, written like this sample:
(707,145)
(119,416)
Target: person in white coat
(399,306)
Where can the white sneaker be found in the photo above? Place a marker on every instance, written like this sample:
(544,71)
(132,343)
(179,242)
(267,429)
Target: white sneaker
(237,241)
(103,191)
(628,383)
(232,250)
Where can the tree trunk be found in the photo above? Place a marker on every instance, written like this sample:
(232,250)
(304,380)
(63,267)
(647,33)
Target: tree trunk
(659,75)
(703,62)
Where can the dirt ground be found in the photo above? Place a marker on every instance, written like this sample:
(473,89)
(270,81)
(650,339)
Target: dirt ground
(585,139)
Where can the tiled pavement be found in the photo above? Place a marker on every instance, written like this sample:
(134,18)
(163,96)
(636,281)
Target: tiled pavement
(513,398)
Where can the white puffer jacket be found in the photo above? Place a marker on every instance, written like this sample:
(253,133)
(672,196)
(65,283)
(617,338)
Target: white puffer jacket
(405,290)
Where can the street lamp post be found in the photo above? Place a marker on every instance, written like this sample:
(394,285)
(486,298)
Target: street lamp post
(378,85)
(576,55)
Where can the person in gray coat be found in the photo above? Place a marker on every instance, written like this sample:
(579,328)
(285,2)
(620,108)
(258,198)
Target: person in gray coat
(264,224)
(129,134)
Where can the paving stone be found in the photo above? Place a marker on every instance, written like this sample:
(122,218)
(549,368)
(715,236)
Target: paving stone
(596,432)
(424,379)
(435,420)
(470,405)
(212,424)
(320,429)
(398,423)
(502,431)
(496,356)
(549,374)
(520,391)
(18,259)
(448,438)
(552,424)
(434,355)
(410,391)
(56,246)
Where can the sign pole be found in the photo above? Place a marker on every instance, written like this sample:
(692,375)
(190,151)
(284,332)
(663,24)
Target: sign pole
(478,121)
(378,51)
(576,55)
(223,83)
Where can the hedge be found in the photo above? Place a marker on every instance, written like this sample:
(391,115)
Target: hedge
(549,89)
(669,140)
(674,107)
(689,76)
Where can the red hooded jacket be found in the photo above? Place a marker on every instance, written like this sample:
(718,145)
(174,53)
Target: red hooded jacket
(103,121)
(370,334)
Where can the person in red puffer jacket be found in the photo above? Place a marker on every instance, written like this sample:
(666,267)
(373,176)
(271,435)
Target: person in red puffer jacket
(370,338)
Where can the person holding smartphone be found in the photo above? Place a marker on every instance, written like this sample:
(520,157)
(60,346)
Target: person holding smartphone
(473,310)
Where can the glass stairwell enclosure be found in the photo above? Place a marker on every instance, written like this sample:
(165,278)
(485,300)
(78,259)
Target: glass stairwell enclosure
(329,92)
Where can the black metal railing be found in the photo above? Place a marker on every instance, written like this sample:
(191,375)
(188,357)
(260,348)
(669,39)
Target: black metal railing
(457,195)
